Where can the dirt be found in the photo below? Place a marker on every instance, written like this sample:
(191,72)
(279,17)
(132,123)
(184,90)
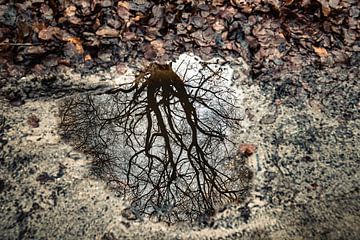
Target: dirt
(305,166)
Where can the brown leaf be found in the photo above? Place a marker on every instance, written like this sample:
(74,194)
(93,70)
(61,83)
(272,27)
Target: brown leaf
(208,35)
(71,51)
(197,21)
(321,52)
(48,33)
(340,56)
(247,149)
(70,11)
(150,53)
(334,3)
(217,3)
(158,46)
(74,20)
(158,11)
(77,42)
(87,57)
(33,121)
(123,13)
(107,32)
(218,26)
(325,7)
(121,68)
(104,3)
(124,4)
(128,36)
(46,10)
(228,13)
(39,69)
(275,3)
(246,8)
(35,50)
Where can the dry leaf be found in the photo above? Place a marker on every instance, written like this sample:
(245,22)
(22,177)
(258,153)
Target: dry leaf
(124,4)
(34,50)
(149,53)
(321,52)
(70,11)
(107,32)
(77,42)
(87,57)
(33,121)
(217,3)
(158,46)
(218,26)
(123,13)
(128,36)
(334,3)
(325,7)
(121,68)
(48,33)
(247,149)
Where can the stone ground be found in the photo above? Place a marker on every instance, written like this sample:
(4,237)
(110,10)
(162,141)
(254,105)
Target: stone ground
(305,125)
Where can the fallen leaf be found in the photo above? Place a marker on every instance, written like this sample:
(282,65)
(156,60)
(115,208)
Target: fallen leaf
(247,149)
(128,36)
(158,46)
(325,7)
(107,32)
(33,121)
(74,20)
(121,68)
(123,13)
(334,3)
(124,4)
(46,11)
(48,33)
(217,3)
(158,11)
(35,50)
(71,51)
(77,42)
(87,57)
(218,26)
(150,53)
(197,21)
(321,52)
(104,3)
(70,11)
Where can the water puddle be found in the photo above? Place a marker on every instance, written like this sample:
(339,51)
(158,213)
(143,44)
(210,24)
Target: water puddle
(166,140)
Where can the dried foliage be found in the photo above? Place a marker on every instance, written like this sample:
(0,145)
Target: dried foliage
(166,143)
(88,34)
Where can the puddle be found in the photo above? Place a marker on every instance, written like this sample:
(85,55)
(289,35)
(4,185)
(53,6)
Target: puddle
(166,140)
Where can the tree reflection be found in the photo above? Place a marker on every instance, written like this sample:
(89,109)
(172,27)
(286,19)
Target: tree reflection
(163,141)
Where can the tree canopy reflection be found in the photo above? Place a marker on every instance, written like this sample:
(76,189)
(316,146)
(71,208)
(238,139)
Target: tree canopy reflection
(165,142)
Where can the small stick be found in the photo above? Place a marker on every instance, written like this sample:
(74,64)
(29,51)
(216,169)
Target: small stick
(19,44)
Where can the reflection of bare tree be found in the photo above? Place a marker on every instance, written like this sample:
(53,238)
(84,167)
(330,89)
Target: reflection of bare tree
(162,141)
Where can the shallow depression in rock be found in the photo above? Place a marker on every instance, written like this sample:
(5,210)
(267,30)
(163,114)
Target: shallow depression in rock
(167,140)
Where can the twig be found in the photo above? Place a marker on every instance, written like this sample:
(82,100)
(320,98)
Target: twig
(19,44)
